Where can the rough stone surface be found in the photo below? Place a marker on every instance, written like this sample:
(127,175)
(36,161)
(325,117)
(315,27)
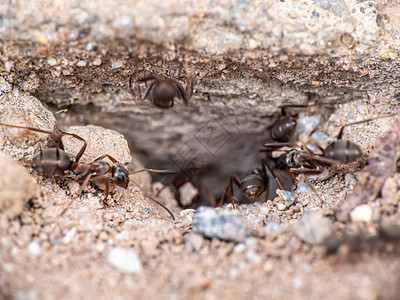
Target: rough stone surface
(17,187)
(124,260)
(100,141)
(225,225)
(313,228)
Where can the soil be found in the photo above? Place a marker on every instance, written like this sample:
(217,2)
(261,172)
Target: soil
(47,256)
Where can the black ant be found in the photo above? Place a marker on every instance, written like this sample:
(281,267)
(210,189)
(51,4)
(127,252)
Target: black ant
(305,161)
(56,161)
(161,92)
(253,184)
(283,129)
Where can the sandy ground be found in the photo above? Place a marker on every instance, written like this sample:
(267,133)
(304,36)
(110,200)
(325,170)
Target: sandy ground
(133,249)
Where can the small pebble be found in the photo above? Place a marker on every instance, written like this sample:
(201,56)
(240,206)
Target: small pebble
(273,228)
(124,260)
(389,190)
(69,236)
(350,180)
(81,63)
(225,225)
(195,242)
(91,47)
(52,61)
(96,62)
(9,65)
(239,248)
(33,249)
(361,213)
(287,197)
(313,228)
(26,295)
(117,65)
(187,193)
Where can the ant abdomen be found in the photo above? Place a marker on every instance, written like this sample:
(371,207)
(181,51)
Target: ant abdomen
(52,161)
(163,94)
(252,185)
(343,150)
(283,129)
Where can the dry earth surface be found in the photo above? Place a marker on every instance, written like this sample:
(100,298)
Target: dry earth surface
(67,64)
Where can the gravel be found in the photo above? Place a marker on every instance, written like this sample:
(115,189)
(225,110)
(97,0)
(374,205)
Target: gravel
(313,228)
(225,225)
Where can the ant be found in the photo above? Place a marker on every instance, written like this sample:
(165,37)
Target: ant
(304,161)
(56,161)
(161,92)
(283,129)
(253,184)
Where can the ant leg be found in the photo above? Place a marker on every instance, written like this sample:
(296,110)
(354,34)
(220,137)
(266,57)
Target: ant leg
(56,136)
(145,79)
(51,133)
(154,200)
(80,153)
(147,91)
(154,171)
(313,188)
(340,134)
(113,160)
(233,179)
(294,180)
(208,193)
(185,93)
(84,183)
(264,163)
(106,191)
(277,145)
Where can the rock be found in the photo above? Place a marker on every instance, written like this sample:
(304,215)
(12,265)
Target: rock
(100,141)
(389,191)
(274,228)
(33,249)
(225,225)
(124,260)
(17,187)
(313,228)
(361,213)
(187,193)
(20,108)
(195,242)
(285,199)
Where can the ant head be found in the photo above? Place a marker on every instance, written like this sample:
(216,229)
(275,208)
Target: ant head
(120,175)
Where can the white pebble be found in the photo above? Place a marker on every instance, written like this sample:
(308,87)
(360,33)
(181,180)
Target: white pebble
(281,206)
(96,62)
(361,213)
(239,248)
(117,65)
(34,250)
(81,63)
(124,260)
(273,228)
(52,61)
(69,235)
(8,65)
